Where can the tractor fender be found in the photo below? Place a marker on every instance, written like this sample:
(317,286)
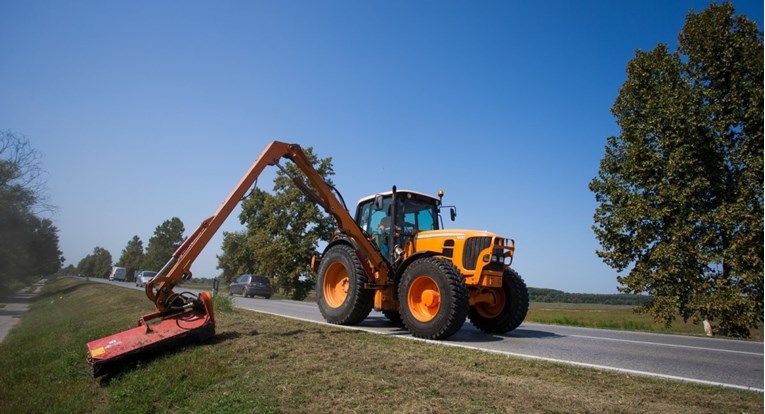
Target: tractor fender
(347,241)
(316,261)
(342,239)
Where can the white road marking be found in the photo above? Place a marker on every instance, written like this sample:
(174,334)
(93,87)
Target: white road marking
(700,348)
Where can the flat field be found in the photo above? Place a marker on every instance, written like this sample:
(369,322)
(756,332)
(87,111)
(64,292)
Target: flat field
(621,317)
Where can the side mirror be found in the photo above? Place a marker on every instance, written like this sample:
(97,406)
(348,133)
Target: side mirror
(453,213)
(378,203)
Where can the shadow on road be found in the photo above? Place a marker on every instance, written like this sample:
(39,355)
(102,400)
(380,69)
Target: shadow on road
(13,313)
(468,334)
(532,333)
(19,297)
(471,335)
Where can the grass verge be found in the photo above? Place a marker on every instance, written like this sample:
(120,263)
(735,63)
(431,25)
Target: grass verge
(261,363)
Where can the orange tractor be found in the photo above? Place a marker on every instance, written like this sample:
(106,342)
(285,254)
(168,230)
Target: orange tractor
(393,256)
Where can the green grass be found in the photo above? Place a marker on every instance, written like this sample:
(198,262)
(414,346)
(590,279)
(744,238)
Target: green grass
(223,303)
(261,363)
(9,287)
(621,317)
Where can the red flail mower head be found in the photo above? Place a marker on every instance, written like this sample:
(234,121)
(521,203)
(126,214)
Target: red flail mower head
(156,333)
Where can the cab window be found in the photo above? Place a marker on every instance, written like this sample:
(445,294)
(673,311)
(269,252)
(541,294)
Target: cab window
(369,218)
(421,214)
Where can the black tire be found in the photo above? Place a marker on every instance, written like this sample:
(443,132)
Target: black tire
(510,310)
(340,289)
(433,298)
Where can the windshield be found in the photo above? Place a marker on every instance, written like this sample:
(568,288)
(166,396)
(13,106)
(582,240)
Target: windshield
(414,211)
(421,214)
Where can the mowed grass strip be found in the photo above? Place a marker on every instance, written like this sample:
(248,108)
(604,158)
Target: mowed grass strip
(261,363)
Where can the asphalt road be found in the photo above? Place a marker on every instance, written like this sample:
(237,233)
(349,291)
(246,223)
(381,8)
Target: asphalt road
(715,361)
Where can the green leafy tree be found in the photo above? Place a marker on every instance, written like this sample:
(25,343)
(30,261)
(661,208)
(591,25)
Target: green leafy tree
(283,231)
(28,243)
(98,263)
(167,237)
(236,258)
(680,191)
(132,256)
(43,248)
(15,259)
(16,202)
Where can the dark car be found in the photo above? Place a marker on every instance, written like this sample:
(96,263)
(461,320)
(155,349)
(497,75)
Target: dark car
(248,286)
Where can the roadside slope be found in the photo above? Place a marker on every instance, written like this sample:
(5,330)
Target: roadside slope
(269,364)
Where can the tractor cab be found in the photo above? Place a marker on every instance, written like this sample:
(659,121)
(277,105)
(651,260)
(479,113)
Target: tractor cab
(393,218)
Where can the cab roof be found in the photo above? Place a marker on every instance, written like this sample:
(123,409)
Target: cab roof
(390,193)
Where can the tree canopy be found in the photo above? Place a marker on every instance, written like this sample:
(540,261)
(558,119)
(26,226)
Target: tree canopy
(98,263)
(29,244)
(132,256)
(167,237)
(283,231)
(680,190)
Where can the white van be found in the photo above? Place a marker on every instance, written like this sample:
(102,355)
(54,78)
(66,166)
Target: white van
(118,273)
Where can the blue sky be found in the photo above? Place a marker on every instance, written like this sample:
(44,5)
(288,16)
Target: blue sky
(148,110)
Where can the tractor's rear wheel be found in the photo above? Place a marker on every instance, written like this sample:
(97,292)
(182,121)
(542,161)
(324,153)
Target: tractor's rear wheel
(340,289)
(511,303)
(433,298)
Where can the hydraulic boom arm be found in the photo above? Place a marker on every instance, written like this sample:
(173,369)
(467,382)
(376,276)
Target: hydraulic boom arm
(160,289)
(180,318)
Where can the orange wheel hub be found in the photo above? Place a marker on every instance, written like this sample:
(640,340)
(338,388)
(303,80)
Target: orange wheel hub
(494,309)
(336,285)
(424,298)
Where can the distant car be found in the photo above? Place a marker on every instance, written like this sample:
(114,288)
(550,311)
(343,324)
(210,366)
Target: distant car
(118,274)
(248,286)
(143,277)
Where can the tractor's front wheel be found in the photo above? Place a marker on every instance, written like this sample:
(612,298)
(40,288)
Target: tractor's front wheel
(340,289)
(511,303)
(433,298)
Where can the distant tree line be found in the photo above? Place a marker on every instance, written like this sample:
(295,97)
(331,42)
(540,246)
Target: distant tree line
(559,296)
(167,237)
(29,245)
